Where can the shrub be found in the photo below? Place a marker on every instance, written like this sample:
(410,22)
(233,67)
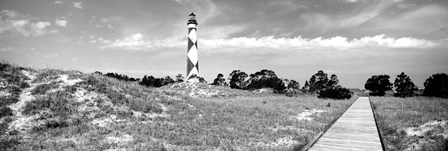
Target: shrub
(7,100)
(47,74)
(9,143)
(145,106)
(50,124)
(43,88)
(57,102)
(5,111)
(33,107)
(436,85)
(336,92)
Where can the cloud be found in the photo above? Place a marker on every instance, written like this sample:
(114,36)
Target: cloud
(267,44)
(10,13)
(17,23)
(136,42)
(38,29)
(77,5)
(298,43)
(57,2)
(61,22)
(351,1)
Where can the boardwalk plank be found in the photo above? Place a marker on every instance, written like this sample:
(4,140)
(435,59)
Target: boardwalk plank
(354,130)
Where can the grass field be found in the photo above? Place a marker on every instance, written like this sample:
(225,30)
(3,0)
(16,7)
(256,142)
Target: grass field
(414,123)
(69,110)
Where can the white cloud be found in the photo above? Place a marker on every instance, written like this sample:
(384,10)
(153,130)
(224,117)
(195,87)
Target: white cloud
(61,22)
(137,42)
(57,2)
(77,5)
(22,24)
(10,13)
(38,28)
(298,43)
(267,44)
(350,1)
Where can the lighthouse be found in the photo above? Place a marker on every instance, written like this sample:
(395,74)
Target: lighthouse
(192,49)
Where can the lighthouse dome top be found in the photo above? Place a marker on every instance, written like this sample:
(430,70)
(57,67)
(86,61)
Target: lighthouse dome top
(192,19)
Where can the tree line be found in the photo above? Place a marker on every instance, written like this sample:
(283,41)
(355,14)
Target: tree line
(320,83)
(436,85)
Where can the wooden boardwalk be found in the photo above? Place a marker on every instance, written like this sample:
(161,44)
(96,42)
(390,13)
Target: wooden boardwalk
(354,130)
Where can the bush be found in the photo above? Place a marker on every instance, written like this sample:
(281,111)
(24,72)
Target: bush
(336,92)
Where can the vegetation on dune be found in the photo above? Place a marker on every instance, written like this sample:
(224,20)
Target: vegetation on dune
(68,110)
(414,123)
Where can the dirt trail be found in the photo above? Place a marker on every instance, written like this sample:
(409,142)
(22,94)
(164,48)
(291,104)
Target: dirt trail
(22,123)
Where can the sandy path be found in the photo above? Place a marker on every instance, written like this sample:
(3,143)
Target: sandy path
(22,123)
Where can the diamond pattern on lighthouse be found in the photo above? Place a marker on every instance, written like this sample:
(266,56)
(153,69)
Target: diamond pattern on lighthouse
(192,35)
(193,55)
(192,52)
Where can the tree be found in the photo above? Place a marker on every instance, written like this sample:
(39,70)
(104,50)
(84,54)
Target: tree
(333,81)
(335,92)
(201,80)
(436,85)
(279,85)
(292,87)
(179,78)
(306,87)
(404,85)
(237,78)
(220,80)
(262,79)
(318,81)
(378,84)
(167,80)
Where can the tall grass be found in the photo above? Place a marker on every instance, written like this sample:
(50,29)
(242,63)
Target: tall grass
(394,114)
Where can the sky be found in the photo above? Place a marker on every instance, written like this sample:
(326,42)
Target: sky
(353,39)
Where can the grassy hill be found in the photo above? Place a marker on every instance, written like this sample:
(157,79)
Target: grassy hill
(68,110)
